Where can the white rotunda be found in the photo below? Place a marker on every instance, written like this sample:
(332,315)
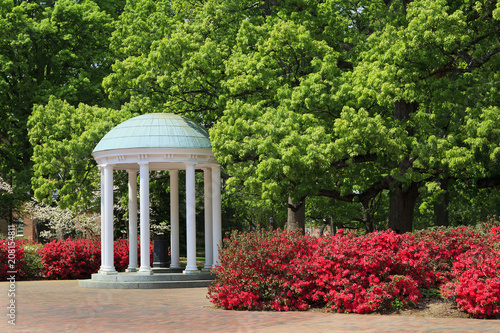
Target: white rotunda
(159,142)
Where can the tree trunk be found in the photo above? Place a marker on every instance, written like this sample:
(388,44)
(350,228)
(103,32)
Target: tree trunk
(403,109)
(401,205)
(321,230)
(335,226)
(329,222)
(367,216)
(296,218)
(441,214)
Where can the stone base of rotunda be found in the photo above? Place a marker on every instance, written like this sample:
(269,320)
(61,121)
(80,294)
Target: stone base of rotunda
(164,278)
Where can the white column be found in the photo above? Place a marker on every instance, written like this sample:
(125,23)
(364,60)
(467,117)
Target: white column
(108,267)
(174,219)
(132,221)
(207,184)
(216,211)
(144,206)
(190,220)
(103,219)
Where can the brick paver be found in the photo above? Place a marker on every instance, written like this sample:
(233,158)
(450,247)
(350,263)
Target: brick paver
(62,306)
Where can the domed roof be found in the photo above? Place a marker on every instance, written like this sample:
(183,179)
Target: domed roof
(155,130)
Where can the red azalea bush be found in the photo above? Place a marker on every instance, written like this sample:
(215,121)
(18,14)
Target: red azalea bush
(11,259)
(286,271)
(347,273)
(476,278)
(120,254)
(255,270)
(77,259)
(363,274)
(70,259)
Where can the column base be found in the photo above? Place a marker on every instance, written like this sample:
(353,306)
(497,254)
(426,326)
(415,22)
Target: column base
(145,271)
(107,271)
(175,266)
(191,271)
(206,269)
(131,270)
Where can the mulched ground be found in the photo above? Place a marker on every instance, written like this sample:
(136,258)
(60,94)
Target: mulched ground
(434,307)
(430,307)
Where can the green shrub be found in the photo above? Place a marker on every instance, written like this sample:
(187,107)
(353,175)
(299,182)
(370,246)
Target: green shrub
(33,267)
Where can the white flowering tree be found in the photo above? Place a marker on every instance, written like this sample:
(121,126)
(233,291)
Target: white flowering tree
(55,222)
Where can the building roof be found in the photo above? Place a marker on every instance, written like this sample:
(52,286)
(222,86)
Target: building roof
(155,130)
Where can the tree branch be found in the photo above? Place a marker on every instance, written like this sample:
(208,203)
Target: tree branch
(366,195)
(357,159)
(248,158)
(488,182)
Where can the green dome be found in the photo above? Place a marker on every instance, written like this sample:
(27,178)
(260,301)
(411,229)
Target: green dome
(155,130)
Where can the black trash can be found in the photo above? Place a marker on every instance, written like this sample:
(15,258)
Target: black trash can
(161,259)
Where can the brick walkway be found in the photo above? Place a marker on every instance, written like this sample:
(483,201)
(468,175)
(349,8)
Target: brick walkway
(60,306)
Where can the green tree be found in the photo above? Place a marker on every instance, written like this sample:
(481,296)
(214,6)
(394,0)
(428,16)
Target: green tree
(63,137)
(404,97)
(276,132)
(436,77)
(271,145)
(344,99)
(170,56)
(466,204)
(46,49)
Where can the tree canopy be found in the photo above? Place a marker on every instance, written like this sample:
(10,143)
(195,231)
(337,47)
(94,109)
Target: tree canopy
(46,49)
(63,137)
(406,97)
(351,100)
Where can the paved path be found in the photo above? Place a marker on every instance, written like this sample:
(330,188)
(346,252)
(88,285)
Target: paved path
(62,306)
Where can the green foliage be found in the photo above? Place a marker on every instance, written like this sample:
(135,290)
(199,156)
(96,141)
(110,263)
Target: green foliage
(167,60)
(352,100)
(63,137)
(431,293)
(33,261)
(467,205)
(323,211)
(244,212)
(269,146)
(397,304)
(298,121)
(46,49)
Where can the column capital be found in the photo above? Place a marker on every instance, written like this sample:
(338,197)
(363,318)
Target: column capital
(106,165)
